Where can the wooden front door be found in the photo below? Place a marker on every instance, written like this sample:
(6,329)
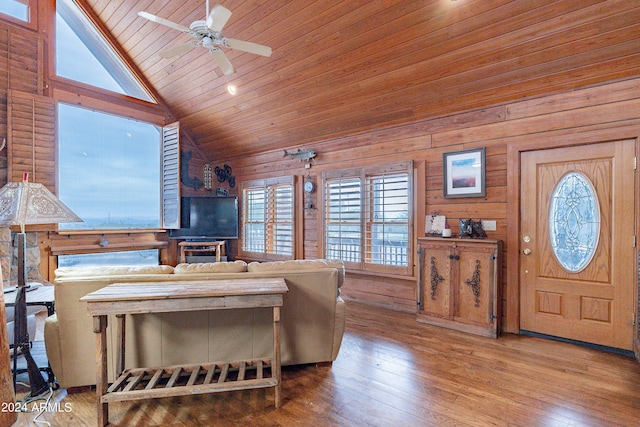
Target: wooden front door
(577,245)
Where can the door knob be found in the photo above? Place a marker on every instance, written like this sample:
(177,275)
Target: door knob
(526,251)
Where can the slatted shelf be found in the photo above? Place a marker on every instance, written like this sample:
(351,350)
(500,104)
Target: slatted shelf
(169,381)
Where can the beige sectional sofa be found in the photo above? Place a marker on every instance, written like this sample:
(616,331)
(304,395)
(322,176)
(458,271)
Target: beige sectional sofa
(312,321)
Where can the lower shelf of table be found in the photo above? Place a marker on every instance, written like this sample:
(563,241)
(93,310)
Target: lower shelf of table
(179,380)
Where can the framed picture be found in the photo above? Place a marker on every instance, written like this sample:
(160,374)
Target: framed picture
(463,173)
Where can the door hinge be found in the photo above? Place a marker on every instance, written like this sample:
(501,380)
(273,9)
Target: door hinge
(634,240)
(633,319)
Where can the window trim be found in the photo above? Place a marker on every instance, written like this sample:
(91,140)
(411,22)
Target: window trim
(266,183)
(364,173)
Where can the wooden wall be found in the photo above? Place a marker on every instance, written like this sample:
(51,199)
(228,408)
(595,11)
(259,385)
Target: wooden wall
(608,111)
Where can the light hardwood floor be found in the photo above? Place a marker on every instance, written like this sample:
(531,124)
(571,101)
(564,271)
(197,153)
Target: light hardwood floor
(394,371)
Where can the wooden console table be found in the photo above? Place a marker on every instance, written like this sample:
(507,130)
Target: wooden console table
(156,297)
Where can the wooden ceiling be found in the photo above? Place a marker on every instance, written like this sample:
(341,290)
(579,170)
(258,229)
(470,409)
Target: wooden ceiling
(346,66)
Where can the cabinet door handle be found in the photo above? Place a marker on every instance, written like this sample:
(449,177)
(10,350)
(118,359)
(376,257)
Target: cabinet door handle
(456,257)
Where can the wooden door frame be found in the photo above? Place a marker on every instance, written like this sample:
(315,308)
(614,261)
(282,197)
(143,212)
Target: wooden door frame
(548,140)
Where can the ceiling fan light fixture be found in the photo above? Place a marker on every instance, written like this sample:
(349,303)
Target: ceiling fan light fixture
(208,42)
(232,89)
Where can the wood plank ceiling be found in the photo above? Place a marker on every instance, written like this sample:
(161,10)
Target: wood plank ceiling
(345,66)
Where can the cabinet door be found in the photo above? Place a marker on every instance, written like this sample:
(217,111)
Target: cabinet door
(475,288)
(436,280)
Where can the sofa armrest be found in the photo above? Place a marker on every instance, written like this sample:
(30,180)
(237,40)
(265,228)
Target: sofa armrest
(53,346)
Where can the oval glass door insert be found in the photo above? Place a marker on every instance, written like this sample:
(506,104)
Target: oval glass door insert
(574,221)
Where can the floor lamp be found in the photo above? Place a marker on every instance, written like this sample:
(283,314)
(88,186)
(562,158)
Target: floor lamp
(25,203)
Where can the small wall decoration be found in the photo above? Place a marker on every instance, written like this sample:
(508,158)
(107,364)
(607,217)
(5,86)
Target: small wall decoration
(207,176)
(224,174)
(302,155)
(464,173)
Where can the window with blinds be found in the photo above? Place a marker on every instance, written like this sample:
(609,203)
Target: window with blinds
(343,224)
(387,224)
(367,217)
(268,218)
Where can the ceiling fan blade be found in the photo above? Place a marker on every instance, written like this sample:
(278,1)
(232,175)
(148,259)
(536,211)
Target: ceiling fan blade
(218,17)
(250,47)
(178,50)
(163,21)
(223,62)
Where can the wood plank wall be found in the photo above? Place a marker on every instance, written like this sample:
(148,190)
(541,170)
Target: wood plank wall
(602,112)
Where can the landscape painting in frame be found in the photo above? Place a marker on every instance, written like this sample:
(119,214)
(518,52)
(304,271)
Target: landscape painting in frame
(463,173)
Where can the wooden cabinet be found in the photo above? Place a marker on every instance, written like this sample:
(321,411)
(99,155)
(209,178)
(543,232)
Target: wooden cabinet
(458,283)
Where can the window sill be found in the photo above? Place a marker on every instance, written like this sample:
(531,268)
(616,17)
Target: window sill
(111,231)
(361,273)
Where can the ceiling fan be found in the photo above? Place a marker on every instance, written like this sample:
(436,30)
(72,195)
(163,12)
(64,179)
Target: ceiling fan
(208,34)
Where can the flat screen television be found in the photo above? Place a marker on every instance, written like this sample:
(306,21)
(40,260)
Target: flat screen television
(206,218)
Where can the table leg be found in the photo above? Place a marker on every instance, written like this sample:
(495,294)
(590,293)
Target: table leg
(276,354)
(100,329)
(120,350)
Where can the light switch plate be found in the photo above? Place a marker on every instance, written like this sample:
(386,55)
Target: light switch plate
(489,225)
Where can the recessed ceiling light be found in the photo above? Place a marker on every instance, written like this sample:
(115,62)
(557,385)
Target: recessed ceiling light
(232,89)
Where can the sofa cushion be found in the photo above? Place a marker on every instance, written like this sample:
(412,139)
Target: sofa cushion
(63,272)
(299,264)
(211,267)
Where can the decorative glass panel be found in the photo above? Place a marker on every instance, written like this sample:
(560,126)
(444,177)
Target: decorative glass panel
(574,221)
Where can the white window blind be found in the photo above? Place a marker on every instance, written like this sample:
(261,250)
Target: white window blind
(387,228)
(343,224)
(368,217)
(268,218)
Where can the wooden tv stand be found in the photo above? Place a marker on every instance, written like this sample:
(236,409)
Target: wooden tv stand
(187,247)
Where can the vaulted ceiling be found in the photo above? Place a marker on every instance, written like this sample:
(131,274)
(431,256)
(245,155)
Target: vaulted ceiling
(345,66)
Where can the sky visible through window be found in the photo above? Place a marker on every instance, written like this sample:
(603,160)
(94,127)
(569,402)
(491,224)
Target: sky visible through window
(16,9)
(76,62)
(109,169)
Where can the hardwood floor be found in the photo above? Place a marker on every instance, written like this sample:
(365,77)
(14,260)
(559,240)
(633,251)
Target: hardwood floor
(394,371)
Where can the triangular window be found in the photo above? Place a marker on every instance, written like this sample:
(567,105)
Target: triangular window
(83,55)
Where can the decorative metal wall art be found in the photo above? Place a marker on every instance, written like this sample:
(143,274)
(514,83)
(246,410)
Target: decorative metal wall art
(195,183)
(225,174)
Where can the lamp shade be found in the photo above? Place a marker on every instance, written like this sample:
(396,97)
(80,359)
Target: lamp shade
(23,203)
